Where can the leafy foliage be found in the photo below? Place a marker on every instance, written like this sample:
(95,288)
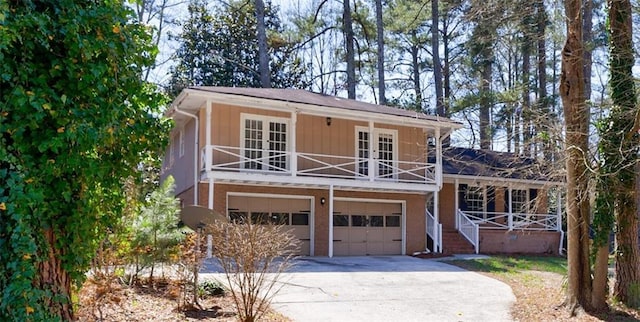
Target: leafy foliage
(75,120)
(219,47)
(157,236)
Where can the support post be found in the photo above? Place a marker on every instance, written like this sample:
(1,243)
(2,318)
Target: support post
(436,215)
(510,203)
(208,148)
(292,150)
(331,221)
(438,171)
(372,167)
(457,202)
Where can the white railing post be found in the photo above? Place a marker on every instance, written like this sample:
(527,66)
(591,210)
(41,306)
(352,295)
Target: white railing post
(477,238)
(209,152)
(372,164)
(559,210)
(294,155)
(438,170)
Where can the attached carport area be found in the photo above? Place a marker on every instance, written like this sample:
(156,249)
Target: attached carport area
(367,227)
(295,212)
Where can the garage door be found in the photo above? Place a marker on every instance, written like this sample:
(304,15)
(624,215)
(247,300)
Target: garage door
(294,213)
(367,228)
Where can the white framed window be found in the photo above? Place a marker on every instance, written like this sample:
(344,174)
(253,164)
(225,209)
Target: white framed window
(474,197)
(181,142)
(172,150)
(520,201)
(264,141)
(385,152)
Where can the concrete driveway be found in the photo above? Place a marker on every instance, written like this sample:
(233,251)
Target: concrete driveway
(389,288)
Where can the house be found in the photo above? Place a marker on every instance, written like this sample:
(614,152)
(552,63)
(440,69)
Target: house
(350,178)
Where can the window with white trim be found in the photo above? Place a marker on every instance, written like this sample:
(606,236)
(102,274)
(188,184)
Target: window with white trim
(181,138)
(264,142)
(172,152)
(474,198)
(519,201)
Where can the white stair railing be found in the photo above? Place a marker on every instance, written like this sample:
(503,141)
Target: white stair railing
(434,230)
(469,229)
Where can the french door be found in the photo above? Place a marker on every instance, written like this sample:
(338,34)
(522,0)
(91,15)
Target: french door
(384,152)
(264,143)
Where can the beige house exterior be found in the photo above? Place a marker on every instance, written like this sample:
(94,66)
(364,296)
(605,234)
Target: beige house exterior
(349,178)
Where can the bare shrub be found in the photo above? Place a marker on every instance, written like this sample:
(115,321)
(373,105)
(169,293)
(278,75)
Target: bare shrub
(253,258)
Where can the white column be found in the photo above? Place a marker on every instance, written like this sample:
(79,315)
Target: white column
(210,204)
(510,216)
(293,148)
(457,202)
(436,215)
(208,147)
(559,209)
(372,169)
(438,171)
(331,221)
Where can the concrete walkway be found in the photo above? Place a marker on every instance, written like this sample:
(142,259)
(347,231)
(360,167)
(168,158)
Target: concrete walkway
(389,288)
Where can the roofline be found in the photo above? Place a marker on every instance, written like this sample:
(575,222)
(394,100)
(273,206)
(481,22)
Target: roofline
(308,109)
(505,180)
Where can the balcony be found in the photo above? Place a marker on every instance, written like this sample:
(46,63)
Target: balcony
(237,164)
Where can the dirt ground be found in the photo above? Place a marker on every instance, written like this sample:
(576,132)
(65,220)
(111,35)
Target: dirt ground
(100,301)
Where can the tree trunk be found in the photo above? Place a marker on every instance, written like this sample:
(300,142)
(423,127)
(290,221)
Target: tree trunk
(348,37)
(526,101)
(485,105)
(263,51)
(587,38)
(382,99)
(55,278)
(435,51)
(446,74)
(623,152)
(577,124)
(417,87)
(600,278)
(547,118)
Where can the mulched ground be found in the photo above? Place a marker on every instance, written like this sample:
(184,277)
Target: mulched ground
(102,301)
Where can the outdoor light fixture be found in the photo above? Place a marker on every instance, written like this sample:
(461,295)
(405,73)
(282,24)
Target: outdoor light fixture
(322,200)
(328,121)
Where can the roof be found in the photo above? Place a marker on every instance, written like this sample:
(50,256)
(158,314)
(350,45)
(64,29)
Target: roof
(306,97)
(492,164)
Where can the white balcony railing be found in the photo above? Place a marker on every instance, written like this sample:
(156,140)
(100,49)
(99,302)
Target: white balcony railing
(514,221)
(227,158)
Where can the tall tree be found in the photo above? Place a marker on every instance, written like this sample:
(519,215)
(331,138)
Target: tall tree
(382,99)
(265,74)
(576,111)
(435,54)
(75,121)
(219,47)
(619,147)
(347,29)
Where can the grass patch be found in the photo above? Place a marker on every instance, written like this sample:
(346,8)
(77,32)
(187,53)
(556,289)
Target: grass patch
(510,265)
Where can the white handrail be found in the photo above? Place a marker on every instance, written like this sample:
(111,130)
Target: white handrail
(511,221)
(434,230)
(469,229)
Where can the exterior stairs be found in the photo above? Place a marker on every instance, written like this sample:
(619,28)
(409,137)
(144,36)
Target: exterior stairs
(454,243)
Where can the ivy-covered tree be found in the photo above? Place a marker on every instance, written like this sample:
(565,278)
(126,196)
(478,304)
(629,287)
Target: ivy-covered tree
(219,47)
(75,120)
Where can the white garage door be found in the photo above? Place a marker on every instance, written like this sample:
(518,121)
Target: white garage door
(295,213)
(367,228)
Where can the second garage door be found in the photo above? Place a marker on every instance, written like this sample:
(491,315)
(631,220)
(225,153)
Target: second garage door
(295,213)
(367,228)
